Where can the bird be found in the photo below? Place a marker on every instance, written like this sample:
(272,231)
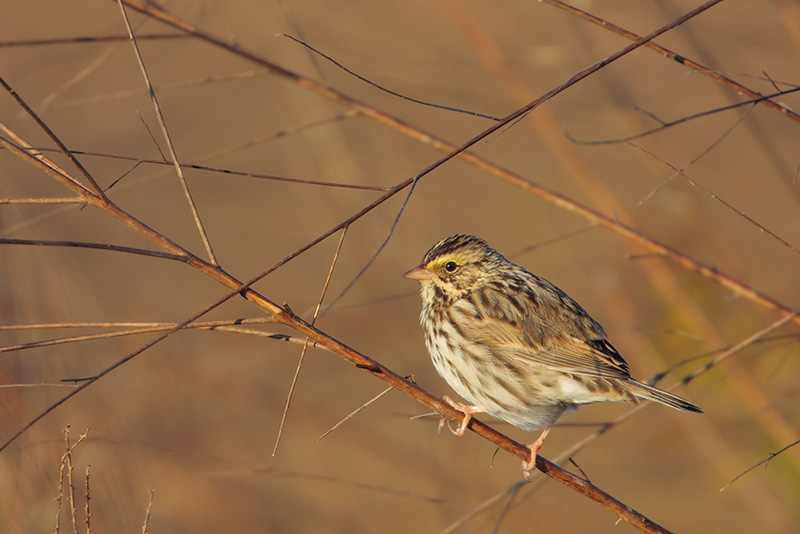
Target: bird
(514,345)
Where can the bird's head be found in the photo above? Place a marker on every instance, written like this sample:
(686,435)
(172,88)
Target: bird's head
(456,266)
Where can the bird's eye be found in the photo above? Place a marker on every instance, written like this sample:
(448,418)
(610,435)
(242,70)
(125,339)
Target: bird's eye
(450,266)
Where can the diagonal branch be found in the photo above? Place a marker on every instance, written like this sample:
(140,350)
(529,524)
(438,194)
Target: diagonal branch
(52,135)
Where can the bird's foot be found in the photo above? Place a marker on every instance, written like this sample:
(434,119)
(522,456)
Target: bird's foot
(468,409)
(529,465)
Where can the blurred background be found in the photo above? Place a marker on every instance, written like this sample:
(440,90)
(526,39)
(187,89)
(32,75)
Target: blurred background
(195,418)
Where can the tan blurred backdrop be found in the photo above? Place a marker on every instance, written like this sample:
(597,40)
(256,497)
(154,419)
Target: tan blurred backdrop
(195,418)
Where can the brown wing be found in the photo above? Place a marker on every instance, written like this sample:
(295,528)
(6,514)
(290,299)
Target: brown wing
(546,328)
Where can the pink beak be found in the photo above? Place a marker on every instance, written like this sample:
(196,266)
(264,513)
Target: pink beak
(420,272)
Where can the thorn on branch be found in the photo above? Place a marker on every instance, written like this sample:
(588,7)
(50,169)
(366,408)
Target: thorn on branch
(369,367)
(585,476)
(604,428)
(491,459)
(83,379)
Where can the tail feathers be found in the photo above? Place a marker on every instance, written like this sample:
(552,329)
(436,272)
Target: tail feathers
(643,391)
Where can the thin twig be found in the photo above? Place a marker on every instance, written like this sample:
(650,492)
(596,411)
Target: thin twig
(160,116)
(389,91)
(246,174)
(88,519)
(67,459)
(106,52)
(149,509)
(218,153)
(290,19)
(766,460)
(70,200)
(666,125)
(703,153)
(742,344)
(230,172)
(356,411)
(230,326)
(554,239)
(60,497)
(40,385)
(681,172)
(248,144)
(95,246)
(96,39)
(136,324)
(162,88)
(155,142)
(289,396)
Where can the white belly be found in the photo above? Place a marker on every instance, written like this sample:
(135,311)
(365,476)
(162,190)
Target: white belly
(496,389)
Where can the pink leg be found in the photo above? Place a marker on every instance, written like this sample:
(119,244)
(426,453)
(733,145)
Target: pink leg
(468,409)
(528,466)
